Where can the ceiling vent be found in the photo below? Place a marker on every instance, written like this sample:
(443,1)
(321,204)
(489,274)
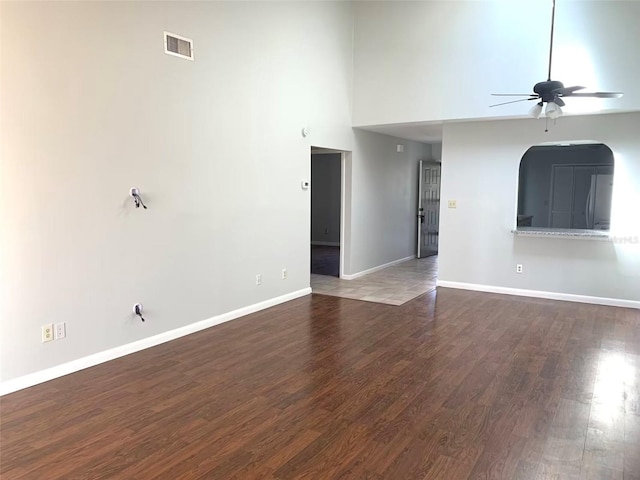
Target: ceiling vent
(178,46)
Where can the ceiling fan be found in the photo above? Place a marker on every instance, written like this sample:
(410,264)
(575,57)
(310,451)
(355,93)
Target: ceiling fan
(552,92)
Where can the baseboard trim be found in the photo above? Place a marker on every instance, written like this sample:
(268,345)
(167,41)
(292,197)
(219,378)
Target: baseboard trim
(326,244)
(566,297)
(42,376)
(375,269)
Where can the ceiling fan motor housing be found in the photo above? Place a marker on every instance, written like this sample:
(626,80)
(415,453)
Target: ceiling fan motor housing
(547,90)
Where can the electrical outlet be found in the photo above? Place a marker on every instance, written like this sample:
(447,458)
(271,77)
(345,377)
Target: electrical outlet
(47,332)
(453,204)
(258,279)
(60,331)
(519,268)
(284,273)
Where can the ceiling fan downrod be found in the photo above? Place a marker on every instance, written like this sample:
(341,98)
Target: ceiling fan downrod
(553,17)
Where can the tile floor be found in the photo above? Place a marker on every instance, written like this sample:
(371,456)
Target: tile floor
(394,285)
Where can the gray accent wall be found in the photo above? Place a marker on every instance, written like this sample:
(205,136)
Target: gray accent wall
(480,162)
(92,106)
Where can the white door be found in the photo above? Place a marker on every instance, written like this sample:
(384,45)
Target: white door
(428,208)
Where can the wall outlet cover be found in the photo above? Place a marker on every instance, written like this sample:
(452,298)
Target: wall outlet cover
(47,332)
(60,330)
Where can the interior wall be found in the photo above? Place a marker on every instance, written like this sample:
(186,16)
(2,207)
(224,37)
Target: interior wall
(384,199)
(432,60)
(480,170)
(325,198)
(92,107)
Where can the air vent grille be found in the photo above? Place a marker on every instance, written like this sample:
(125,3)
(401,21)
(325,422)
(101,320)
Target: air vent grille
(178,46)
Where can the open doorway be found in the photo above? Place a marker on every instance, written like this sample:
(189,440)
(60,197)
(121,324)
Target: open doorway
(428,208)
(326,211)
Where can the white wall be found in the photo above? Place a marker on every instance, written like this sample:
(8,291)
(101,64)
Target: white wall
(384,199)
(480,162)
(325,197)
(441,60)
(92,106)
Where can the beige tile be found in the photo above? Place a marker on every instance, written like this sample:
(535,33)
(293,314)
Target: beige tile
(394,285)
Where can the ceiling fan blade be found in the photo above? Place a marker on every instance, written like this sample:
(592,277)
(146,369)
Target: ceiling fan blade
(514,95)
(513,101)
(558,101)
(598,94)
(565,92)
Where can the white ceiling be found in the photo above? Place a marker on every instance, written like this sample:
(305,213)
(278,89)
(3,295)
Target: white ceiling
(426,132)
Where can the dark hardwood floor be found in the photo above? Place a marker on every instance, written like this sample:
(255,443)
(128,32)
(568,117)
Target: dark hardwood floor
(451,385)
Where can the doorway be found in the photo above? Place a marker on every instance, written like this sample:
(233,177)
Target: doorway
(428,208)
(327,184)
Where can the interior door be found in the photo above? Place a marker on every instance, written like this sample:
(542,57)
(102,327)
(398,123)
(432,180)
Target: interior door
(428,208)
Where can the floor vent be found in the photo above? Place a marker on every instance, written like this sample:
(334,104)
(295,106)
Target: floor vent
(178,46)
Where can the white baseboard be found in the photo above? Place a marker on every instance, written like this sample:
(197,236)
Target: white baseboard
(567,297)
(375,269)
(326,244)
(41,376)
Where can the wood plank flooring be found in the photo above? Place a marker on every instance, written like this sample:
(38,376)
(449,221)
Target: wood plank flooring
(451,385)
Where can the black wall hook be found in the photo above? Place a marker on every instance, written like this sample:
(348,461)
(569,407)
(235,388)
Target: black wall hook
(137,309)
(135,193)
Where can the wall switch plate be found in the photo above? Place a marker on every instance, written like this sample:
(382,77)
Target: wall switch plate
(258,279)
(519,268)
(453,204)
(284,273)
(60,330)
(47,332)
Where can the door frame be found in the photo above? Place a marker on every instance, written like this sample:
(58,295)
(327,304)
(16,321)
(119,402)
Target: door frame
(345,204)
(420,215)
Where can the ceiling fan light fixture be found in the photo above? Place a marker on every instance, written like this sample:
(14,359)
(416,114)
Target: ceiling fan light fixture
(553,110)
(536,110)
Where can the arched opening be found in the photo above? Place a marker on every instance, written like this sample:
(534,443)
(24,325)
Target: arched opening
(566,186)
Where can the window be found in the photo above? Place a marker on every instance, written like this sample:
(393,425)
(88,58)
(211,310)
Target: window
(566,187)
